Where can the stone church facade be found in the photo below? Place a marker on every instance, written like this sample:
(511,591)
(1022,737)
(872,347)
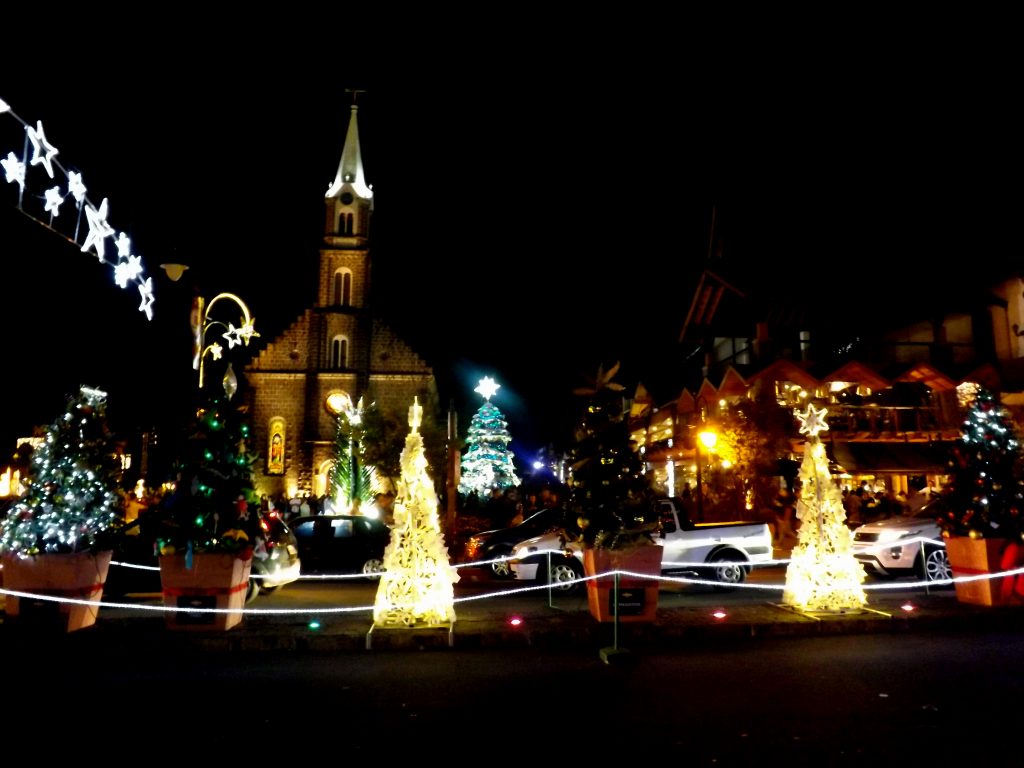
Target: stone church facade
(336,349)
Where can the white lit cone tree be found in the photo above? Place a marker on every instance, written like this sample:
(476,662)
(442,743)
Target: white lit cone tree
(416,586)
(823,575)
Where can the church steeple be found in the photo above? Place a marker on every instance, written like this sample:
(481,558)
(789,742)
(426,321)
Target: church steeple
(349,199)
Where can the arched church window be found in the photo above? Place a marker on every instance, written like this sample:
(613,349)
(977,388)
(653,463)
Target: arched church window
(342,289)
(339,352)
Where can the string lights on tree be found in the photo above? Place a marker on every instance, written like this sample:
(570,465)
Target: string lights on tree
(487,462)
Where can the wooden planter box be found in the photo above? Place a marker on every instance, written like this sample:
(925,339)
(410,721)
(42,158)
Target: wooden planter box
(215,581)
(637,597)
(77,575)
(974,557)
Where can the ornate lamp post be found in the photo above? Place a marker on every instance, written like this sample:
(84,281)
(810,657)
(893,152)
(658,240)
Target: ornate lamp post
(202,322)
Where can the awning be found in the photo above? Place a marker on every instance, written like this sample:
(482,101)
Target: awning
(901,458)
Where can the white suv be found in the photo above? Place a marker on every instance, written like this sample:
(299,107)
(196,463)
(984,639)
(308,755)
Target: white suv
(908,545)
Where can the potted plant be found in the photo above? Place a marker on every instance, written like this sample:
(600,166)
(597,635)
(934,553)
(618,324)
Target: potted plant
(983,525)
(56,541)
(614,505)
(205,529)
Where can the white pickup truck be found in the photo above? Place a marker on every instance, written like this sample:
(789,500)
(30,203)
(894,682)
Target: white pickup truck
(722,552)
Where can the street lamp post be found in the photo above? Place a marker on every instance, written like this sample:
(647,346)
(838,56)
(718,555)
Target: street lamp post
(710,439)
(202,322)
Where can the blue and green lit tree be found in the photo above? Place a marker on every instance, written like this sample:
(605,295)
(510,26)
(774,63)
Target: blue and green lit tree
(487,462)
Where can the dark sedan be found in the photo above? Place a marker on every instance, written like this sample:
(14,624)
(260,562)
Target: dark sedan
(341,544)
(490,547)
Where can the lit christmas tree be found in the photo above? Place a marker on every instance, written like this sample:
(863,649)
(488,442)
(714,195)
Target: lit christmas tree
(609,490)
(71,502)
(986,498)
(351,481)
(209,508)
(487,462)
(416,586)
(823,575)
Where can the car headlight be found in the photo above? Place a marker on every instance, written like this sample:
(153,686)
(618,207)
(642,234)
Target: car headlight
(893,535)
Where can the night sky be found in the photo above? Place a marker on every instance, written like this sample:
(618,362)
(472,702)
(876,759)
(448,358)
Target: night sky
(535,216)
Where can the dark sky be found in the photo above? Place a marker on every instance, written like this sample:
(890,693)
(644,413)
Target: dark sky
(537,214)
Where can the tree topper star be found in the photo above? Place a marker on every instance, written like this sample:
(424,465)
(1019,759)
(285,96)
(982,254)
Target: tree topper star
(812,421)
(487,387)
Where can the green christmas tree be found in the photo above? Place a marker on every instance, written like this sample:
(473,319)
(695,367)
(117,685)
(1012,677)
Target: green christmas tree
(72,502)
(609,490)
(209,508)
(986,497)
(823,575)
(351,481)
(487,462)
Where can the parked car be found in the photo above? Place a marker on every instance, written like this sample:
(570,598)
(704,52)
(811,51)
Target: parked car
(906,545)
(341,544)
(552,552)
(135,564)
(489,547)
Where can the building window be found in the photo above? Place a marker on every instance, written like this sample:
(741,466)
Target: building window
(346,222)
(342,289)
(339,352)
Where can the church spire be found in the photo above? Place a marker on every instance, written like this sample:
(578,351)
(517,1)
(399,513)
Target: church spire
(350,170)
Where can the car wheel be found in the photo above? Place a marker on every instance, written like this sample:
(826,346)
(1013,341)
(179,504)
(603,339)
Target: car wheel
(936,564)
(564,575)
(729,574)
(372,569)
(501,569)
(253,590)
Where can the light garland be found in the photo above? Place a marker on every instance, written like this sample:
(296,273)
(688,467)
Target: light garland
(327,610)
(18,170)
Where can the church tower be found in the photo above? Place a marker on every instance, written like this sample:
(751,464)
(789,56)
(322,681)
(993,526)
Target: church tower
(343,300)
(336,352)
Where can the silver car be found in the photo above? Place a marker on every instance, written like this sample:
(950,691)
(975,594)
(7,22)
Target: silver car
(907,545)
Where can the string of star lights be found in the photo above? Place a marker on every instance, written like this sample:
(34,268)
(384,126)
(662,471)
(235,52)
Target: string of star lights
(41,195)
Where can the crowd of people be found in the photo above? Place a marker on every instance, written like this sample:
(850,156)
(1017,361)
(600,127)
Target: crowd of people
(382,506)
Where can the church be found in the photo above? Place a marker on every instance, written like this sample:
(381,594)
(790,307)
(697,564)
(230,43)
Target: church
(336,353)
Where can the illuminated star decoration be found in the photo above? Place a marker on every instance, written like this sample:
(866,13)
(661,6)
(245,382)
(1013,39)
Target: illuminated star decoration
(41,145)
(76,187)
(15,169)
(487,387)
(248,332)
(124,246)
(233,336)
(216,350)
(128,269)
(146,291)
(99,229)
(4,106)
(812,421)
(53,200)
